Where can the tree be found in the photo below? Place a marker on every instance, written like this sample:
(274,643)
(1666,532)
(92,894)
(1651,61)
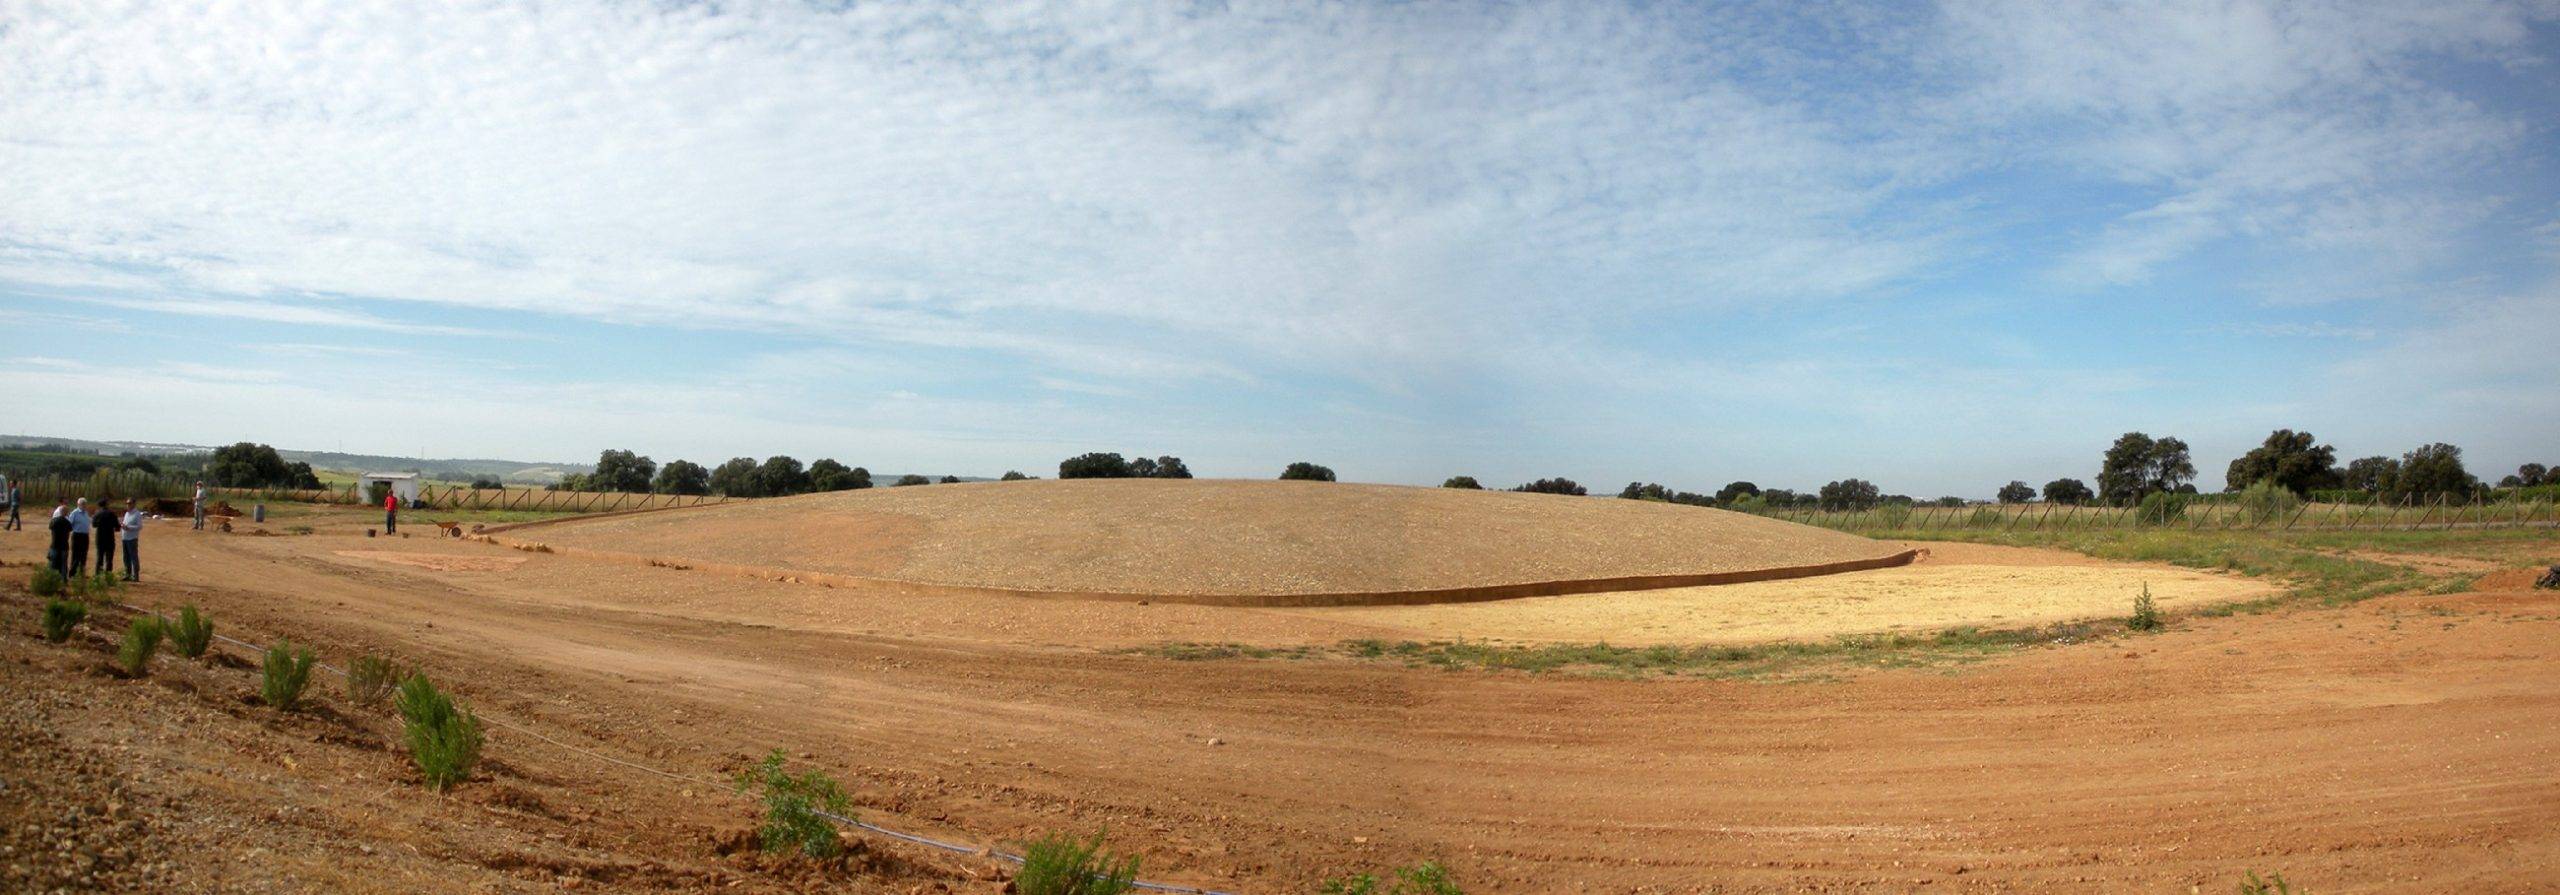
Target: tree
(2513,481)
(682,477)
(1466,482)
(2373,475)
(1094,466)
(1170,467)
(2434,469)
(910,479)
(1949,501)
(622,471)
(1736,490)
(489,483)
(780,476)
(2071,491)
(829,475)
(737,478)
(2532,474)
(1303,471)
(2289,459)
(1012,475)
(1646,491)
(1142,468)
(300,475)
(1557,485)
(2016,492)
(1848,494)
(246,465)
(2137,464)
(950,480)
(1783,497)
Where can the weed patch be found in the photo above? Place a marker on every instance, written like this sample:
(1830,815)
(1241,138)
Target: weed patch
(1059,864)
(1426,878)
(370,679)
(792,806)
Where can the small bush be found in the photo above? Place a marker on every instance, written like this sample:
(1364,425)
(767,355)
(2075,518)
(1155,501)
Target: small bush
(1059,864)
(1425,878)
(370,679)
(192,634)
(791,806)
(140,641)
(2146,613)
(444,738)
(2265,501)
(281,678)
(46,583)
(99,586)
(60,616)
(2274,884)
(2161,508)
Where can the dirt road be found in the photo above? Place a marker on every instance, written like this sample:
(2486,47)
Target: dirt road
(2403,744)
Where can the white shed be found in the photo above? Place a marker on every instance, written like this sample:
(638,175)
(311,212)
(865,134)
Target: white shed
(404,484)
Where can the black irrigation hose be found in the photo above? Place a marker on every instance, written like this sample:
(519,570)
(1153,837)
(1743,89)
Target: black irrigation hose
(829,815)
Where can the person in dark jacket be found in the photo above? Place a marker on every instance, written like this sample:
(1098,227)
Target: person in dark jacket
(104,524)
(59,556)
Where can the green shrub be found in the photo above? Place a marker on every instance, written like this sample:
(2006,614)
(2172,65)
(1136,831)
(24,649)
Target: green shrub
(60,616)
(2146,613)
(286,671)
(46,582)
(140,641)
(791,806)
(1892,515)
(370,679)
(2274,884)
(192,634)
(2161,508)
(1425,878)
(1059,864)
(444,738)
(98,586)
(2265,502)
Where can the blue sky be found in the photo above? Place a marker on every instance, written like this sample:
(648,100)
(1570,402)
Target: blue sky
(1938,246)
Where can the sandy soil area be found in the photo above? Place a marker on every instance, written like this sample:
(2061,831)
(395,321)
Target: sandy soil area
(2401,744)
(1957,584)
(1213,536)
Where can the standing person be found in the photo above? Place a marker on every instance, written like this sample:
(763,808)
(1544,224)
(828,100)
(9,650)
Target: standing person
(14,498)
(79,537)
(106,523)
(132,538)
(60,555)
(390,512)
(199,506)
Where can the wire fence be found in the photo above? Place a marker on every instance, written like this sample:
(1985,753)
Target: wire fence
(130,483)
(2409,512)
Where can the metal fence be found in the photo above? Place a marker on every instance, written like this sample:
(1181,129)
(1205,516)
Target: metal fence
(122,484)
(2198,513)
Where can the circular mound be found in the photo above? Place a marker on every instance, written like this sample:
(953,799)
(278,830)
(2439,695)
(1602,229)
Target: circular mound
(1226,541)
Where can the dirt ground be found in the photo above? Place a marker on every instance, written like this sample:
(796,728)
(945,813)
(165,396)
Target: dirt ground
(1168,537)
(2406,743)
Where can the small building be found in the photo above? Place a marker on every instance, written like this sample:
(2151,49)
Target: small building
(404,484)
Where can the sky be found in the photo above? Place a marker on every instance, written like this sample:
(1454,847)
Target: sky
(1936,246)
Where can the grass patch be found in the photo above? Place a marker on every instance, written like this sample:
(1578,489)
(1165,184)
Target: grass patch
(792,805)
(140,641)
(444,738)
(284,674)
(370,679)
(191,634)
(1791,659)
(61,616)
(1426,878)
(1059,864)
(2311,561)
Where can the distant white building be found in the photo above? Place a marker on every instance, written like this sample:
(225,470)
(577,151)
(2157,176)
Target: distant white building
(404,484)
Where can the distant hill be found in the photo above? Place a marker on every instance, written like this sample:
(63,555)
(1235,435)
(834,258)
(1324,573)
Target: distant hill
(447,469)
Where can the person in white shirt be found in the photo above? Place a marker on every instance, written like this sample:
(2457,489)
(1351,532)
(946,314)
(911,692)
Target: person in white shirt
(199,506)
(79,537)
(132,538)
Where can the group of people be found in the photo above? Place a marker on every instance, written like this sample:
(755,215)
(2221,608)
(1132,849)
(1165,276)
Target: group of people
(74,527)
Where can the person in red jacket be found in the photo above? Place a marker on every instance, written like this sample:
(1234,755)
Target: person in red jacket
(390,513)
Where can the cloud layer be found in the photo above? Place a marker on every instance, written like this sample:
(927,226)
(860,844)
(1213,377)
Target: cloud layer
(1428,212)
